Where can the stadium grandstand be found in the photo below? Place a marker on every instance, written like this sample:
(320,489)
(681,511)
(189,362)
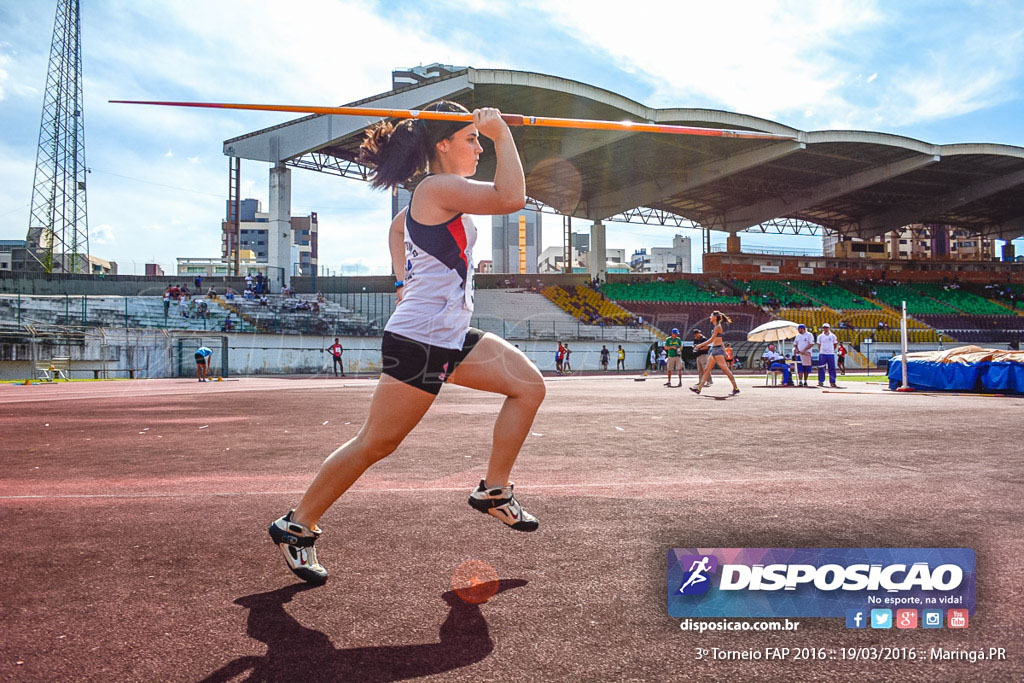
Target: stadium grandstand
(853,184)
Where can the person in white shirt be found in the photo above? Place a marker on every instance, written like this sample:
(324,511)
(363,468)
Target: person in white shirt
(802,345)
(428,340)
(827,343)
(775,361)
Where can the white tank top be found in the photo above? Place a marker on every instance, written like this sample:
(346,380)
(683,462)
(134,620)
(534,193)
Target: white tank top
(437,299)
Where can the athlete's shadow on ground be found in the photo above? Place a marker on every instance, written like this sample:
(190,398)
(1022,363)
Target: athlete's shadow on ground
(295,652)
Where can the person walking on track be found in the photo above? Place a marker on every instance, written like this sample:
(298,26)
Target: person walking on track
(428,340)
(717,354)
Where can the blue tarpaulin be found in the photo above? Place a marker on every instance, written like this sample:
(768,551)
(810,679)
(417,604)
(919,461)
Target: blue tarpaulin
(968,368)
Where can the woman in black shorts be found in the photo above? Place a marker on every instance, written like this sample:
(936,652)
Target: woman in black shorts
(428,340)
(717,354)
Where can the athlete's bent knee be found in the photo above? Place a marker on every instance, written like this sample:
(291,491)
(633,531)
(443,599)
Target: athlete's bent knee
(375,447)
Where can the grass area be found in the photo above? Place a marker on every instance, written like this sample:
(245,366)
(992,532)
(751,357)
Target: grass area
(873,377)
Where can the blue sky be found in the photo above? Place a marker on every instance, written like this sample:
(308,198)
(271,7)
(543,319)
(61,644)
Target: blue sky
(938,71)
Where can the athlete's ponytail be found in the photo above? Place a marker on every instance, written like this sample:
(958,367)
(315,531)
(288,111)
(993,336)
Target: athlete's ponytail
(398,152)
(719,317)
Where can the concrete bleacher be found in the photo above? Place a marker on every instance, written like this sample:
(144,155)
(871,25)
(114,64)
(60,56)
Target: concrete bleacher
(280,315)
(510,314)
(110,311)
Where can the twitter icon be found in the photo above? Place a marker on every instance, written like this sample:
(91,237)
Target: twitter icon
(881,618)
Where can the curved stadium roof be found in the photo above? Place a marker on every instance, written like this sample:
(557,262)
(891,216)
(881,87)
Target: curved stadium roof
(855,182)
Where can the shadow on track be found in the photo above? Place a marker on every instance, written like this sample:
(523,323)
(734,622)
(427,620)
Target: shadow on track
(295,652)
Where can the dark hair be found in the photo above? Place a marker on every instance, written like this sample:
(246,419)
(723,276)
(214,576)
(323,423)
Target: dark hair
(398,152)
(719,317)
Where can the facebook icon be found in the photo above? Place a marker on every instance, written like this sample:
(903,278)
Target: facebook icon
(856,618)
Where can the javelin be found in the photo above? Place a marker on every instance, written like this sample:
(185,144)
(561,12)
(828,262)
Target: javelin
(510,119)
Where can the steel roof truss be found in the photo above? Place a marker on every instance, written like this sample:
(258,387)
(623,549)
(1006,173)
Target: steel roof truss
(881,223)
(650,191)
(755,214)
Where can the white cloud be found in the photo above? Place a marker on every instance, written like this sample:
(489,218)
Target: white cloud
(764,59)
(973,73)
(802,63)
(4,61)
(102,234)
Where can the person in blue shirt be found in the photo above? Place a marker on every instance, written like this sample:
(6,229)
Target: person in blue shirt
(203,355)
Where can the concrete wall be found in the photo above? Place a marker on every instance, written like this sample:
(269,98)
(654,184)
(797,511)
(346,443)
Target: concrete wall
(152,354)
(149,353)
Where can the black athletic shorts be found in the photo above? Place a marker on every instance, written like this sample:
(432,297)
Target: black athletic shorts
(421,365)
(200,359)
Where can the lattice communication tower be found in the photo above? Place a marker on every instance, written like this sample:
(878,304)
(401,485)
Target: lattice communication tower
(58,233)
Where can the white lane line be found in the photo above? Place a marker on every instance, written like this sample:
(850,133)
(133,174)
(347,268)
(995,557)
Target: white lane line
(447,489)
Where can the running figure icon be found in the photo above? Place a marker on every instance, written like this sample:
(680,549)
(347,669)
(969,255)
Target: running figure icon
(696,573)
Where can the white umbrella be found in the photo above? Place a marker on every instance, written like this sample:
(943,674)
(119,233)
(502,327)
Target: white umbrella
(776,330)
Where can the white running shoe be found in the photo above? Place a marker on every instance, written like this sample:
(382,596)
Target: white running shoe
(501,503)
(296,543)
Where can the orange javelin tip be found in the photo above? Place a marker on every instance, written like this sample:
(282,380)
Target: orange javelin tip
(510,119)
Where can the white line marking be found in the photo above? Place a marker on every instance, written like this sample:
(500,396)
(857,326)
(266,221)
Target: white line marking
(448,489)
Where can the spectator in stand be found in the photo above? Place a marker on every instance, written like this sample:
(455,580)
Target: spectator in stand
(167,303)
(604,357)
(827,355)
(211,293)
(198,282)
(841,358)
(701,354)
(620,362)
(229,324)
(802,345)
(183,307)
(229,294)
(264,301)
(248,280)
